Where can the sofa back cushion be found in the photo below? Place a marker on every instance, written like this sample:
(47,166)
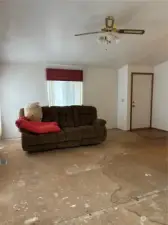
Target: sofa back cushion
(62,115)
(68,116)
(84,115)
(49,114)
(65,116)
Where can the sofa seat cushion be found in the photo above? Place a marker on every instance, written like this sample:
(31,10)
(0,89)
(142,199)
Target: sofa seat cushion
(72,133)
(30,139)
(87,131)
(60,136)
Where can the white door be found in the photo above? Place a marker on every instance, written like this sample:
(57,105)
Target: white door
(141,101)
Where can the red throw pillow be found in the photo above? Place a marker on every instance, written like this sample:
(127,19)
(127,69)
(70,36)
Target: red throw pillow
(37,127)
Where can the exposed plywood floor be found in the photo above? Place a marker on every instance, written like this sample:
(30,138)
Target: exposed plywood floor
(122,182)
(152,133)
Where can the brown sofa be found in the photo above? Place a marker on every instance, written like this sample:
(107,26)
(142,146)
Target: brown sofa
(79,126)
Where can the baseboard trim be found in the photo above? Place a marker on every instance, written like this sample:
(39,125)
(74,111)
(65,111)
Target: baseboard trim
(11,139)
(149,128)
(143,128)
(160,129)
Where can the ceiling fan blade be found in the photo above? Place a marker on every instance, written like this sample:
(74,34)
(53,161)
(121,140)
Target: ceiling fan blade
(88,33)
(130,31)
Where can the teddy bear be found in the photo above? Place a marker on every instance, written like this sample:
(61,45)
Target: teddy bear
(33,111)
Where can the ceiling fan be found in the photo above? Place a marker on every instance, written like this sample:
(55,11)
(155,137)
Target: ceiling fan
(110,28)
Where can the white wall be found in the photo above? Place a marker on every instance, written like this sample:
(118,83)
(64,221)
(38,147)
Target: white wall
(140,68)
(160,102)
(122,98)
(19,85)
(100,90)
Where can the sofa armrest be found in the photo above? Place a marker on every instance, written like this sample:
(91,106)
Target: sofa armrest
(99,122)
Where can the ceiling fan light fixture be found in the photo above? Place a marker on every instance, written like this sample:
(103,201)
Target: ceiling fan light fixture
(100,40)
(107,39)
(104,39)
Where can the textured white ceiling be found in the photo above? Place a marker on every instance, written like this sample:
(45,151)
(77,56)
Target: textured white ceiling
(43,31)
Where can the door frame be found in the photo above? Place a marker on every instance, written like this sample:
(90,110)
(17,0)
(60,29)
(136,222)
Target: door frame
(131,97)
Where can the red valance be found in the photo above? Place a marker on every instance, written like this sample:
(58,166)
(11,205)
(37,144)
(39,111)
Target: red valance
(64,75)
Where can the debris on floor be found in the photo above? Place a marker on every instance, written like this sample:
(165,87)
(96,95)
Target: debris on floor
(31,221)
(143,220)
(148,175)
(1,147)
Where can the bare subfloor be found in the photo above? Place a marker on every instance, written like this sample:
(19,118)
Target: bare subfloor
(123,181)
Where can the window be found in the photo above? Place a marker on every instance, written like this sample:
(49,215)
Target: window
(64,93)
(65,87)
